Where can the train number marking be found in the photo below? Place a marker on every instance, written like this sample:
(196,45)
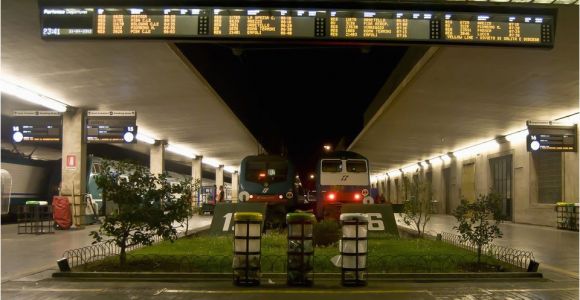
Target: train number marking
(376,222)
(344,178)
(265,190)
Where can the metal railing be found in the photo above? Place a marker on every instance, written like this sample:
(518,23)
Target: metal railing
(516,257)
(277,264)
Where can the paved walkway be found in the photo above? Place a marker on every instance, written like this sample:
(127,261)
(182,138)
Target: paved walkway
(556,250)
(24,254)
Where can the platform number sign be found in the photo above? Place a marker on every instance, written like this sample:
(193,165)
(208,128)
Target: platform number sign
(223,216)
(381,218)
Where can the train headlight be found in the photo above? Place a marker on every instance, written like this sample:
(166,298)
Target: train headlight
(331,196)
(280,197)
(365,192)
(357,196)
(289,195)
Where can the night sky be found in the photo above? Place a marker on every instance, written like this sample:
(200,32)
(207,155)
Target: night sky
(294,99)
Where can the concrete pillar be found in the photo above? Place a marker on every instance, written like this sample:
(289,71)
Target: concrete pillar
(196,176)
(219,176)
(235,186)
(74,163)
(157,158)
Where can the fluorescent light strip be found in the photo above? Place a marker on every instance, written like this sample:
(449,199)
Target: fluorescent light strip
(210,161)
(145,138)
(516,136)
(180,151)
(230,169)
(31,96)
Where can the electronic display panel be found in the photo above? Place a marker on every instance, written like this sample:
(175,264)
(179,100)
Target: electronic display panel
(380,25)
(37,126)
(497,28)
(277,23)
(155,22)
(111,127)
(321,25)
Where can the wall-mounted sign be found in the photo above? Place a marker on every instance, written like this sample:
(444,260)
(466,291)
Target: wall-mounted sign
(551,137)
(37,126)
(111,126)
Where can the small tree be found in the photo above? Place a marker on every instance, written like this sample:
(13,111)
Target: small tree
(147,206)
(187,190)
(417,208)
(478,222)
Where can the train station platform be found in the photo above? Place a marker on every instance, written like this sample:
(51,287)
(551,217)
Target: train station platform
(556,250)
(27,254)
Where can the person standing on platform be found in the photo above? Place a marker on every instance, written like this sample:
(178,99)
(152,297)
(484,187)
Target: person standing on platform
(220,195)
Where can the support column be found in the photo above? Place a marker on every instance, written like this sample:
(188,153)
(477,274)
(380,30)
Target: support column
(74,164)
(235,188)
(219,176)
(196,176)
(157,158)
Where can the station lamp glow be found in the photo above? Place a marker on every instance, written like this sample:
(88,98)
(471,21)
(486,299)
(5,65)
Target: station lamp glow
(327,147)
(145,138)
(31,96)
(212,162)
(230,169)
(179,150)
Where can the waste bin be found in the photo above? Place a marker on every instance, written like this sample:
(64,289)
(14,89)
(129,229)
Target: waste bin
(300,264)
(35,217)
(353,249)
(247,248)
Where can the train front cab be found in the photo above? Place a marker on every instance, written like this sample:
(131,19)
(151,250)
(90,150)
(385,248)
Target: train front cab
(341,181)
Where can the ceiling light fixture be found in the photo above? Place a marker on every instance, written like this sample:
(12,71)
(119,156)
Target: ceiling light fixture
(31,96)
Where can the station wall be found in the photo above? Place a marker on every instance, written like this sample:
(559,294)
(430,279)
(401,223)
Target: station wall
(472,175)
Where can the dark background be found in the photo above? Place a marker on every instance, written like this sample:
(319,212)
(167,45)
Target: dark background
(294,99)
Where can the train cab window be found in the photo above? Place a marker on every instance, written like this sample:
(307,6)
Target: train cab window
(332,165)
(266,172)
(356,166)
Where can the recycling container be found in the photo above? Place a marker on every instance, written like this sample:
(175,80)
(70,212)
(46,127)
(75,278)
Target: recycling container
(353,249)
(247,248)
(300,264)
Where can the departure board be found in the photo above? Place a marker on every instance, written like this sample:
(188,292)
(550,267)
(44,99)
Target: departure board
(37,126)
(385,25)
(551,142)
(111,127)
(497,28)
(322,25)
(279,23)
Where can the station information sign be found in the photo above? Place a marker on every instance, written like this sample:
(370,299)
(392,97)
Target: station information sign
(239,23)
(37,126)
(551,137)
(111,127)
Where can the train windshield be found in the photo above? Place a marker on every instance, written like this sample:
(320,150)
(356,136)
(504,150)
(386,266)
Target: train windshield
(332,165)
(356,166)
(267,172)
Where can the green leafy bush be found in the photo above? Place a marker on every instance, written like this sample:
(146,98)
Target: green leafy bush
(326,233)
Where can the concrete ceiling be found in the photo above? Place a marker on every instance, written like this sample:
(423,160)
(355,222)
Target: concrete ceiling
(459,96)
(172,100)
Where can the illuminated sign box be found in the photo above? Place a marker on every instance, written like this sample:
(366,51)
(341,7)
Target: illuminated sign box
(442,26)
(111,126)
(37,126)
(551,137)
